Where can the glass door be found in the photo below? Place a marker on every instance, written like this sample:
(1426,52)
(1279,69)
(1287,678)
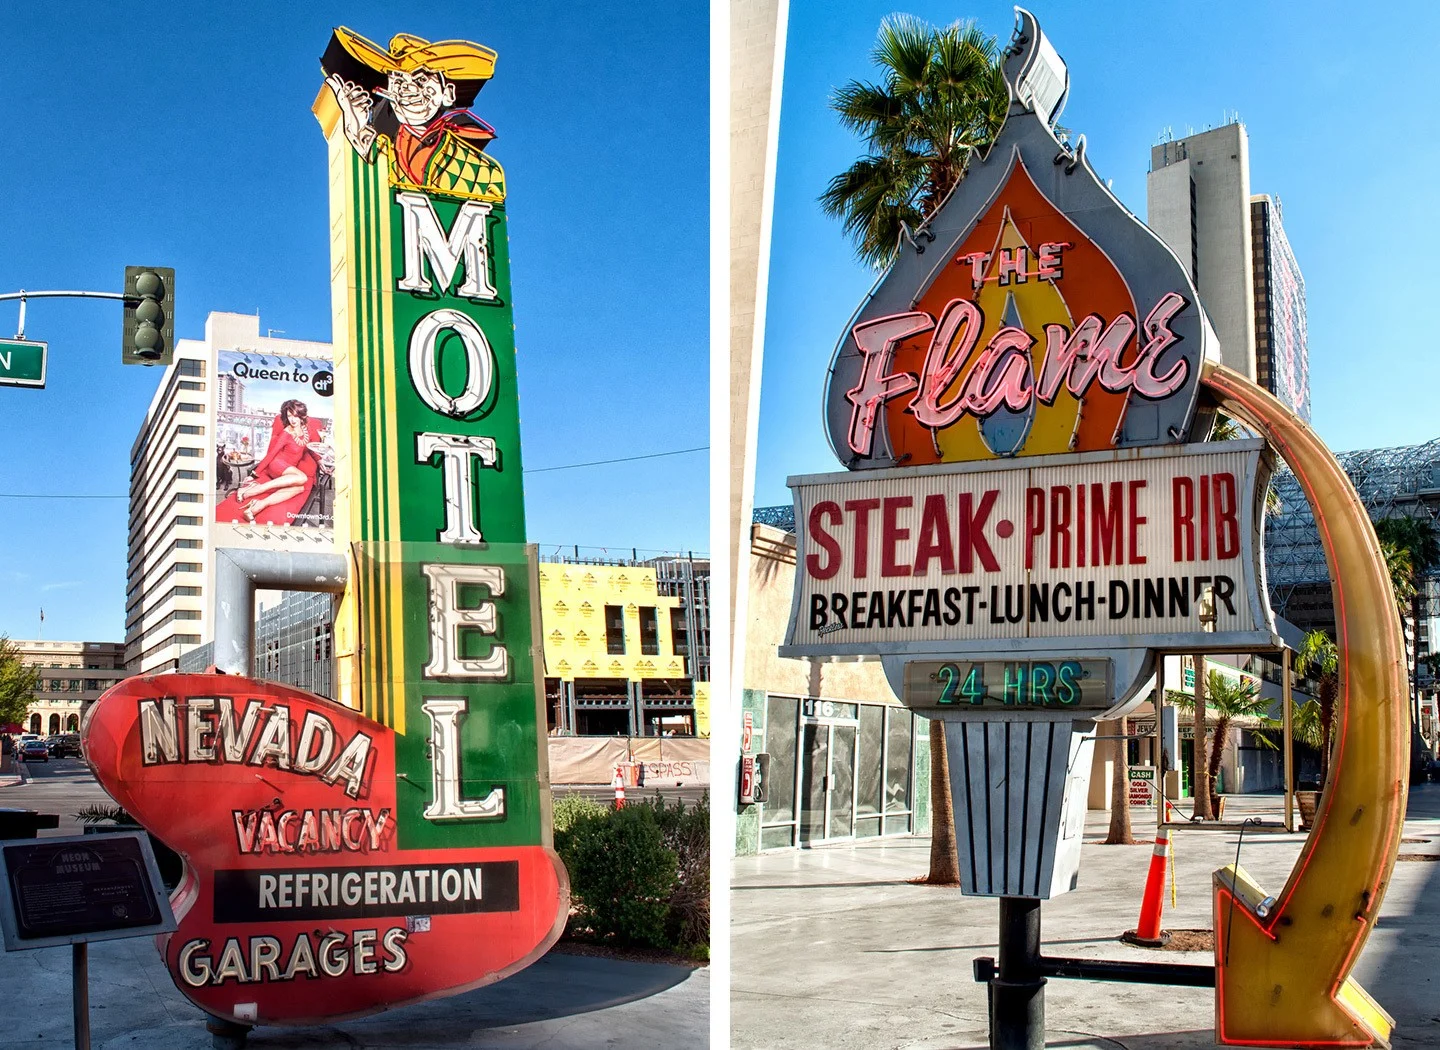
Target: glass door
(814,781)
(842,782)
(827,782)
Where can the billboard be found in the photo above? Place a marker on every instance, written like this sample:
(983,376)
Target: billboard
(274,440)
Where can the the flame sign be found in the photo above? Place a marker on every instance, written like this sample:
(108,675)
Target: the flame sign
(1031,315)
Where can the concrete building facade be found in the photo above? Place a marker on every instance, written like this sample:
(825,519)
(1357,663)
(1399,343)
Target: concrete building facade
(1198,201)
(845,760)
(72,675)
(1234,247)
(182,468)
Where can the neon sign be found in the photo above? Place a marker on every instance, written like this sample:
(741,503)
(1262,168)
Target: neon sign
(1024,337)
(394,846)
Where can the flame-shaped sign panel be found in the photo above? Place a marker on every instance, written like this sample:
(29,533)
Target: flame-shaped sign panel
(1031,315)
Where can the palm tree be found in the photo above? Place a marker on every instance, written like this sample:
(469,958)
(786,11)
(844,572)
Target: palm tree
(1411,550)
(941,99)
(1318,658)
(1230,698)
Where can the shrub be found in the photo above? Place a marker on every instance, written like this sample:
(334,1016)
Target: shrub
(687,835)
(569,808)
(622,875)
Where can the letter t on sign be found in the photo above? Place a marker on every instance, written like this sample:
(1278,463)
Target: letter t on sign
(458,452)
(447,618)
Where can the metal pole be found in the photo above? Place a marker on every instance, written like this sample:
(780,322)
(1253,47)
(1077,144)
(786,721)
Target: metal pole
(1285,702)
(1159,756)
(80,972)
(1017,993)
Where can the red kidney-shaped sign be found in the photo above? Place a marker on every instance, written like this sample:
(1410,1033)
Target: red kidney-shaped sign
(298,905)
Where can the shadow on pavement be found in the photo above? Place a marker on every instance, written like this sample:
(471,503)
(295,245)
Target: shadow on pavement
(557,986)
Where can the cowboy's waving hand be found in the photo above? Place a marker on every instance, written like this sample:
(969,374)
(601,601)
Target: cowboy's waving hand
(355,105)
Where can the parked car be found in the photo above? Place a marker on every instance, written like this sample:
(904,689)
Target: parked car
(34,749)
(64,745)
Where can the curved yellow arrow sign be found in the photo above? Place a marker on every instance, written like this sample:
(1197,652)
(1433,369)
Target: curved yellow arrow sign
(1284,979)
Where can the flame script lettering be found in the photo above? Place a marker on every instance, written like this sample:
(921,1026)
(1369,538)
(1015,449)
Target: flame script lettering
(1001,373)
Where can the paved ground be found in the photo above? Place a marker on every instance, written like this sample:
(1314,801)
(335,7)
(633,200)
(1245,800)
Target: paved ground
(832,948)
(563,1002)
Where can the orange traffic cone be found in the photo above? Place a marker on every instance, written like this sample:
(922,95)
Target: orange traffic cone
(1147,933)
(619,785)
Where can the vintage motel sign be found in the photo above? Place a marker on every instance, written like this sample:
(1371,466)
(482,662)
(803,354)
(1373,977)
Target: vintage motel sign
(394,846)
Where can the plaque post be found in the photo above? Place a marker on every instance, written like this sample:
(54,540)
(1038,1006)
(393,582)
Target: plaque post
(80,975)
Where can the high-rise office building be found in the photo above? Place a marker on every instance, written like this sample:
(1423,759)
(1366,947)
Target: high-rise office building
(233,452)
(1234,246)
(1282,357)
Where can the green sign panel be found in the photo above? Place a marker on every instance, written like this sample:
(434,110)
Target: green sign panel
(962,685)
(22,363)
(435,637)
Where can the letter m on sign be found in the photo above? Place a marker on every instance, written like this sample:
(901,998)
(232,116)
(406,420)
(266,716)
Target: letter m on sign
(467,241)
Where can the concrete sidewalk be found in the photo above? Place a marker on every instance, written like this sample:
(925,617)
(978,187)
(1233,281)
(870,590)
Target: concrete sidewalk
(831,947)
(563,1002)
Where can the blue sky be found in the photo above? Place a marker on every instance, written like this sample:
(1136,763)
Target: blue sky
(185,138)
(1339,104)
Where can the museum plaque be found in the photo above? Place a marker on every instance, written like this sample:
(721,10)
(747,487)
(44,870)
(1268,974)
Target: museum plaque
(90,887)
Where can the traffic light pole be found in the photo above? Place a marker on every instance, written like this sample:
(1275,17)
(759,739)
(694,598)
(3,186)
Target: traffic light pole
(23,295)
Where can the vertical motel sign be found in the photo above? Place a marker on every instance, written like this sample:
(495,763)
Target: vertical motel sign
(345,857)
(437,635)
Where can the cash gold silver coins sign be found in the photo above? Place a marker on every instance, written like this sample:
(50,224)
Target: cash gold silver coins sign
(395,846)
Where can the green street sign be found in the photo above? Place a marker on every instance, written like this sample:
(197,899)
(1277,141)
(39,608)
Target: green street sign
(22,363)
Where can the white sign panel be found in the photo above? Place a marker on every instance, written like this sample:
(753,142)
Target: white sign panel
(1059,553)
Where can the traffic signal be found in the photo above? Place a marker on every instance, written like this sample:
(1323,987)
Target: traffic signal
(148,336)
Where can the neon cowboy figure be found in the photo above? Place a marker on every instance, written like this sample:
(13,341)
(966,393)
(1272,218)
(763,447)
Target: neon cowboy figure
(412,99)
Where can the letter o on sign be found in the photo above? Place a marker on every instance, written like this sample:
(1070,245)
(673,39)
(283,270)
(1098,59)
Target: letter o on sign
(424,363)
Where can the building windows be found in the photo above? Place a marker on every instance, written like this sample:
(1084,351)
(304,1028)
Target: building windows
(190,366)
(679,637)
(189,497)
(189,428)
(649,631)
(189,384)
(189,475)
(186,545)
(187,566)
(189,406)
(191,452)
(188,519)
(614,630)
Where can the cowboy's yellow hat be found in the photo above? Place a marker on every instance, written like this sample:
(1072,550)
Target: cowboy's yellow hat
(355,58)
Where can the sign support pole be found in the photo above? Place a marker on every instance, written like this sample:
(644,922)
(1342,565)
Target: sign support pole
(1162,815)
(1289,739)
(1017,994)
(80,975)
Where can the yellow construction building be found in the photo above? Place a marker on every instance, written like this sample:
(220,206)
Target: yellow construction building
(626,648)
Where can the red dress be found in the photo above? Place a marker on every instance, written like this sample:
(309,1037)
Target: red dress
(283,453)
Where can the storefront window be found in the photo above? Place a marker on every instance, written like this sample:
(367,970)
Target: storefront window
(869,767)
(780,721)
(899,735)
